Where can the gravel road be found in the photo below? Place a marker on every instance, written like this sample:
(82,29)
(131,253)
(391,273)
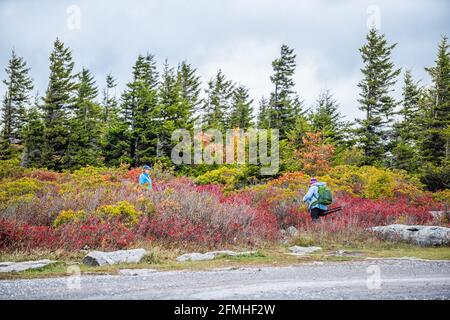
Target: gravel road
(369,279)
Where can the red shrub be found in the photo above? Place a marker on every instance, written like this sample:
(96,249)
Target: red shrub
(92,233)
(44,175)
(133,174)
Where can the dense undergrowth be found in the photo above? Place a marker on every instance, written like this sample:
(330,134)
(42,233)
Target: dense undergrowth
(104,208)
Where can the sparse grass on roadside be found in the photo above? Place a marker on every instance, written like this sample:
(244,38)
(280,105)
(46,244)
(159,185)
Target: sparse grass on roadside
(372,247)
(164,259)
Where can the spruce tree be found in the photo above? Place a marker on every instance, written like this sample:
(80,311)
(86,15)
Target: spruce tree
(58,102)
(117,144)
(117,136)
(435,143)
(241,109)
(15,102)
(218,102)
(284,104)
(405,153)
(327,119)
(379,76)
(110,104)
(189,86)
(86,125)
(175,107)
(33,137)
(263,114)
(139,110)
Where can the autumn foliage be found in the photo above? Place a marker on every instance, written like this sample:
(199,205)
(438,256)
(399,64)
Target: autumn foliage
(316,154)
(101,208)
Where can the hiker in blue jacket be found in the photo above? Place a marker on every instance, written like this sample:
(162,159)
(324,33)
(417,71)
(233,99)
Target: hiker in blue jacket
(311,198)
(144,179)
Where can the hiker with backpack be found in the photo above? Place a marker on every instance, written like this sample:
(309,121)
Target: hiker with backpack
(318,198)
(144,179)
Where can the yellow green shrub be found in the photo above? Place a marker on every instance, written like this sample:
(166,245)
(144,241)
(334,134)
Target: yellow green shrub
(123,210)
(367,181)
(442,196)
(23,189)
(90,177)
(66,216)
(291,180)
(223,175)
(145,205)
(11,169)
(371,182)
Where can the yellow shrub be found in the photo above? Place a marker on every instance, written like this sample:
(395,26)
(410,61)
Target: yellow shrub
(371,182)
(291,180)
(23,189)
(66,216)
(10,168)
(123,210)
(146,205)
(90,177)
(442,196)
(223,175)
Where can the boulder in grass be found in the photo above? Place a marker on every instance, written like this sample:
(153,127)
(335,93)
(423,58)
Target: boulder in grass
(137,272)
(195,256)
(301,251)
(292,231)
(24,265)
(100,258)
(416,234)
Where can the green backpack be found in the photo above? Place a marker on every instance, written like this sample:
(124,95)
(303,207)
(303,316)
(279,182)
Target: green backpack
(325,195)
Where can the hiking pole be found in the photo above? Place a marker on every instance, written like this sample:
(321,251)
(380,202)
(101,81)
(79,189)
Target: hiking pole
(332,210)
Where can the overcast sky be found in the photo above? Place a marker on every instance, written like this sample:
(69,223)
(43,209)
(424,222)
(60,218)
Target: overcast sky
(241,37)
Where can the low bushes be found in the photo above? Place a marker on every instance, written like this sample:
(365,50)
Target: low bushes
(104,208)
(365,182)
(193,215)
(91,233)
(228,176)
(123,210)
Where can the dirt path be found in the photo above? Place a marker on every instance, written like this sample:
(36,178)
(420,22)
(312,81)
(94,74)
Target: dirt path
(370,279)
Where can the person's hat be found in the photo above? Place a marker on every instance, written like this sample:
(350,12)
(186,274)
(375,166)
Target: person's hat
(312,181)
(146,167)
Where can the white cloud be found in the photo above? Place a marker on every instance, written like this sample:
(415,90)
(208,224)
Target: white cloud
(247,62)
(240,37)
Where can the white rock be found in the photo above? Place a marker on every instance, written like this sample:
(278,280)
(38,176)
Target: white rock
(24,265)
(437,214)
(292,231)
(136,272)
(420,235)
(195,256)
(300,251)
(100,258)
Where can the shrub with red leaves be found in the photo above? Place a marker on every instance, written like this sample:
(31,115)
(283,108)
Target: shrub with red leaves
(195,216)
(92,233)
(45,175)
(133,174)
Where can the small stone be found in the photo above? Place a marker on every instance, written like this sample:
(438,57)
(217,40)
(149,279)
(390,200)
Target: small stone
(292,231)
(136,272)
(438,214)
(343,253)
(300,251)
(195,256)
(24,265)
